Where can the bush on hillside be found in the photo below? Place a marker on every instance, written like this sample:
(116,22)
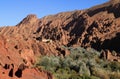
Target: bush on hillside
(80,64)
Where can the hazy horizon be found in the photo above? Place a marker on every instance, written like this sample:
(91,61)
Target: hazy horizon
(12,12)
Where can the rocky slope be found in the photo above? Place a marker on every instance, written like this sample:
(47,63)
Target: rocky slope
(20,45)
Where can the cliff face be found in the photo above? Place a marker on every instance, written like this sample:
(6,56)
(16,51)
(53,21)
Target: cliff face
(97,27)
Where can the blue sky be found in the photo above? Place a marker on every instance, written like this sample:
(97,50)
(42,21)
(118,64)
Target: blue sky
(13,11)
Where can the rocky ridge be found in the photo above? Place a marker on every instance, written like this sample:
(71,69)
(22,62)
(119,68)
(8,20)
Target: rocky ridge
(20,45)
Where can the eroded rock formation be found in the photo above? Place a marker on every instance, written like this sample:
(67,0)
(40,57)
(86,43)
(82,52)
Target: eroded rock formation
(97,27)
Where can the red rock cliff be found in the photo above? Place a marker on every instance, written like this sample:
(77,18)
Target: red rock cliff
(97,27)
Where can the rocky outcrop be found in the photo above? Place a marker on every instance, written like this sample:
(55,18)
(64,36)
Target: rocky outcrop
(17,63)
(97,27)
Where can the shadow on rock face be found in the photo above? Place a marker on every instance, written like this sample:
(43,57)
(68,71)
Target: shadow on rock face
(18,73)
(11,73)
(112,44)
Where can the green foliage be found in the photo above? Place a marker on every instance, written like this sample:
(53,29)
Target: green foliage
(115,66)
(80,64)
(115,75)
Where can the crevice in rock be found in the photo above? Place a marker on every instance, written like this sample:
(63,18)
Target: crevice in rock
(18,73)
(61,51)
(11,73)
(8,57)
(7,66)
(25,61)
(3,72)
(111,9)
(96,45)
(93,12)
(38,38)
(112,44)
(38,30)
(115,10)
(16,47)
(41,49)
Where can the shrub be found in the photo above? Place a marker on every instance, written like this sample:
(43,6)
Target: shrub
(80,64)
(115,66)
(114,75)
